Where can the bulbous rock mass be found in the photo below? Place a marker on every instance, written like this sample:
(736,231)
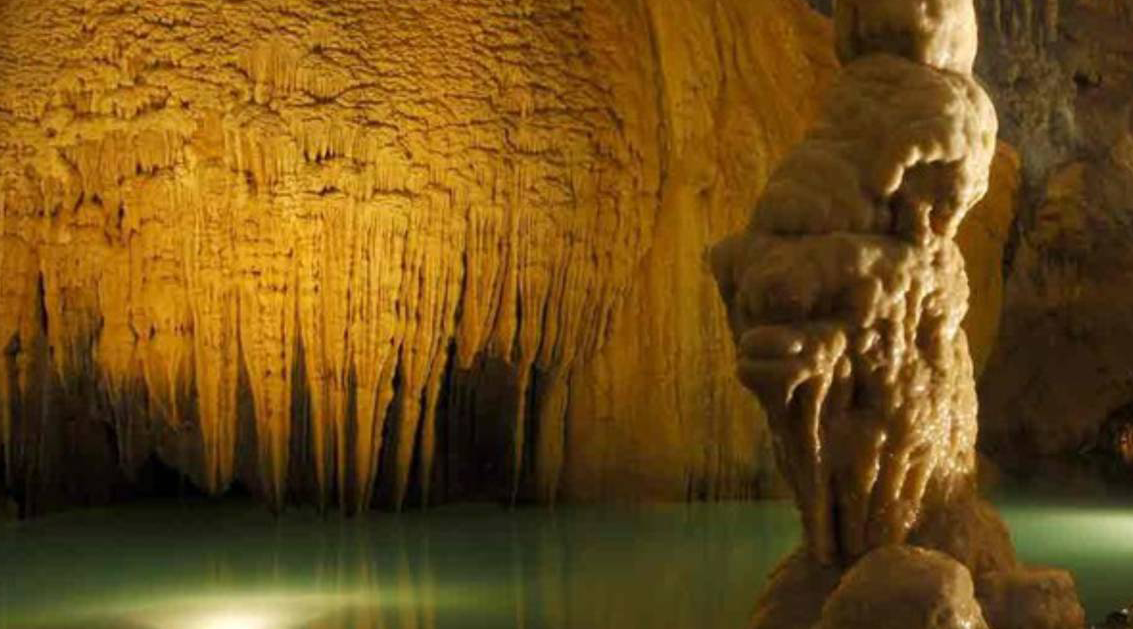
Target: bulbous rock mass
(845,295)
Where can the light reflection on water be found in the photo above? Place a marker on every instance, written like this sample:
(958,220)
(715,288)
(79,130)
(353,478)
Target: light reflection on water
(198,566)
(1094,542)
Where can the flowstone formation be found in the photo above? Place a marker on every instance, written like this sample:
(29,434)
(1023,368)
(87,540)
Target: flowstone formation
(845,295)
(383,251)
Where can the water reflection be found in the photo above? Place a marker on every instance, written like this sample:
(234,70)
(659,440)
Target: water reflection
(1094,542)
(207,566)
(465,567)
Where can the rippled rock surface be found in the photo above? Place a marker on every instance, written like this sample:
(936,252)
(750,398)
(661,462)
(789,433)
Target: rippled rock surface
(846,293)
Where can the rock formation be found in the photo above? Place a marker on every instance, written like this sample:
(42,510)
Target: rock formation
(400,250)
(1061,74)
(933,591)
(845,294)
(983,238)
(195,197)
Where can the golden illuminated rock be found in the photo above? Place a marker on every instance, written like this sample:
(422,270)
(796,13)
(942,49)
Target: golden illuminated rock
(358,248)
(936,33)
(982,237)
(846,294)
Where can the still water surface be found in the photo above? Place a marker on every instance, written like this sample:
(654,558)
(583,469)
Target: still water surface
(224,566)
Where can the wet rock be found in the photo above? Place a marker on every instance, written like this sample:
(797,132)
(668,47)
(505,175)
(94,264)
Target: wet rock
(845,299)
(903,587)
(795,595)
(1107,461)
(1030,598)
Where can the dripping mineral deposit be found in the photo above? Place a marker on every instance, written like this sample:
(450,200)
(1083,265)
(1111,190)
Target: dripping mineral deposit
(845,294)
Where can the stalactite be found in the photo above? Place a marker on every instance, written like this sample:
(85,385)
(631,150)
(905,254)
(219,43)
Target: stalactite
(399,196)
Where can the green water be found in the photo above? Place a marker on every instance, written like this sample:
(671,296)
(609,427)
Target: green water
(208,566)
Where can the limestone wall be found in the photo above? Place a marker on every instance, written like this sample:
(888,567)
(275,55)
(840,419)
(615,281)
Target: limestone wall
(360,248)
(408,250)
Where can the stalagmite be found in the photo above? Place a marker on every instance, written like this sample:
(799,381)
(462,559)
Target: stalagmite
(845,294)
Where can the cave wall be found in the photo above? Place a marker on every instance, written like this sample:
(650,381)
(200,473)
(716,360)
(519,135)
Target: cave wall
(738,84)
(1061,74)
(383,249)
(395,252)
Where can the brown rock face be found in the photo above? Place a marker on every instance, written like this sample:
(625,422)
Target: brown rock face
(1060,74)
(982,237)
(933,592)
(845,294)
(394,249)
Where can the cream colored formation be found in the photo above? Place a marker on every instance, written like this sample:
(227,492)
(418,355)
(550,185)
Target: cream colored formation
(845,294)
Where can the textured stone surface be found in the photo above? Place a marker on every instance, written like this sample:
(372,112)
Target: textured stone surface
(846,290)
(359,249)
(209,245)
(932,32)
(846,293)
(933,591)
(1031,599)
(1062,77)
(982,238)
(658,411)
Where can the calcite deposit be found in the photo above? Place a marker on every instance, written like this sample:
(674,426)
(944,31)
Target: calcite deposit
(845,294)
(367,251)
(1060,75)
(933,591)
(395,251)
